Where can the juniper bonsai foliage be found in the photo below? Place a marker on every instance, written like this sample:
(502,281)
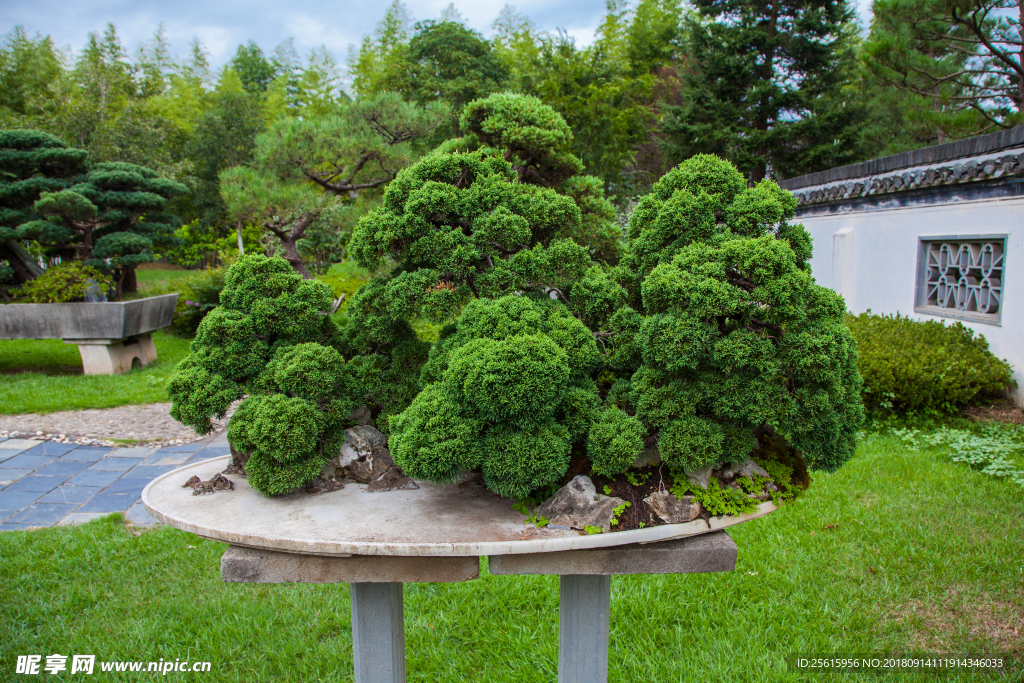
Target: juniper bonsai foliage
(726,332)
(271,338)
(506,389)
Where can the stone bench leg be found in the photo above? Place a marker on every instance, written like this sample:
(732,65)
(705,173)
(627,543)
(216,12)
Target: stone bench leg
(378,632)
(584,603)
(114,357)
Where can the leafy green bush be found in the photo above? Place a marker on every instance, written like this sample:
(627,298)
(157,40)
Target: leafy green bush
(273,339)
(926,367)
(507,389)
(68,281)
(996,450)
(199,295)
(725,331)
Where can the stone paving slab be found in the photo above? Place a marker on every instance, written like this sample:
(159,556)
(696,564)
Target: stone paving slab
(57,484)
(25,461)
(50,483)
(9,476)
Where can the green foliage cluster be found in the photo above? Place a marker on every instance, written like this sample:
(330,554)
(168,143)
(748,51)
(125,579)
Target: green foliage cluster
(273,340)
(725,331)
(506,389)
(925,367)
(993,449)
(197,296)
(716,499)
(64,282)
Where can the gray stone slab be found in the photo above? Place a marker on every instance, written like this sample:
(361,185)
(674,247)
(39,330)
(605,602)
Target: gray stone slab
(38,483)
(9,476)
(20,444)
(133,452)
(15,527)
(137,515)
(60,467)
(378,633)
(112,464)
(109,502)
(51,448)
(26,461)
(714,552)
(127,485)
(160,458)
(85,455)
(41,514)
(71,495)
(12,501)
(248,565)
(583,613)
(427,521)
(81,518)
(8,453)
(148,473)
(183,448)
(89,321)
(93,478)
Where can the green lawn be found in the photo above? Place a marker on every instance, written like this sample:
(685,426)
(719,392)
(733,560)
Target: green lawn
(45,375)
(160,280)
(928,556)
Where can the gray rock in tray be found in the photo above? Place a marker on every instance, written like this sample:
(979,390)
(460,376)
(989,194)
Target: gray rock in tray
(702,477)
(579,505)
(671,509)
(364,458)
(747,468)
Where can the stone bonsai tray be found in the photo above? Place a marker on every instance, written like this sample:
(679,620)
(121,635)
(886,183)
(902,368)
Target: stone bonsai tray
(450,520)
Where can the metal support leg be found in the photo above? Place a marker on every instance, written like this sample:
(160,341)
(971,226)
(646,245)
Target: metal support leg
(378,632)
(584,602)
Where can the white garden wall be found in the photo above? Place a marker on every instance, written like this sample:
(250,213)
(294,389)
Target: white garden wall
(870,256)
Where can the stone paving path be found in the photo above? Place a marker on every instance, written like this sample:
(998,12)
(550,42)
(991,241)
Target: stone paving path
(46,483)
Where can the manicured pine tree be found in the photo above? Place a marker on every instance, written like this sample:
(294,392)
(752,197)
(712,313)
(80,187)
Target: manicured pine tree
(31,163)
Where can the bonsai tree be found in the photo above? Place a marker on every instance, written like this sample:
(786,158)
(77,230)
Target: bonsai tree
(31,163)
(112,218)
(272,339)
(507,390)
(726,340)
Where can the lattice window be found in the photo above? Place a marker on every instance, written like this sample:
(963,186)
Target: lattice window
(962,278)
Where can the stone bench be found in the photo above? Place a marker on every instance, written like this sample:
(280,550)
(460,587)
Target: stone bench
(112,337)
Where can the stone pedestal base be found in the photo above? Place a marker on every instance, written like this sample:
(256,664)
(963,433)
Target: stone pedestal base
(115,356)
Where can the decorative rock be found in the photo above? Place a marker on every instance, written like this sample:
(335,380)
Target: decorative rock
(702,477)
(362,416)
(647,457)
(671,509)
(385,475)
(747,468)
(321,485)
(579,505)
(217,483)
(359,444)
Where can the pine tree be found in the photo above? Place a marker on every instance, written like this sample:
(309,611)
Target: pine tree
(763,86)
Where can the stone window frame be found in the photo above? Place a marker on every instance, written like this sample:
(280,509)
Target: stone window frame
(921,289)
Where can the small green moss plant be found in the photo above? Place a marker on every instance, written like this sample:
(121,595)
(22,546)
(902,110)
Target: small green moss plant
(715,499)
(924,367)
(68,281)
(272,339)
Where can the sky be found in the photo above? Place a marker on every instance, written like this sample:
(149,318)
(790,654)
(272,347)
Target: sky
(222,25)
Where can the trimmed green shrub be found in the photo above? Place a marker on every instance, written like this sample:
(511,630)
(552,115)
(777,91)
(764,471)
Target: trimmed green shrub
(199,295)
(271,338)
(507,389)
(68,281)
(725,332)
(924,366)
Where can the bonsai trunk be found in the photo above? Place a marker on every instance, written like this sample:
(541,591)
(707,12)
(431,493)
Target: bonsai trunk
(131,282)
(291,254)
(25,267)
